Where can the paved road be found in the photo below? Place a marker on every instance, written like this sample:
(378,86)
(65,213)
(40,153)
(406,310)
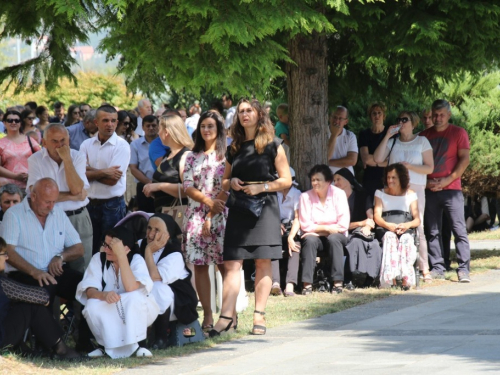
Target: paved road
(449,329)
(481,245)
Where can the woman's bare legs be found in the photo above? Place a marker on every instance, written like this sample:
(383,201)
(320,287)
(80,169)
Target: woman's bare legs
(202,279)
(231,288)
(263,284)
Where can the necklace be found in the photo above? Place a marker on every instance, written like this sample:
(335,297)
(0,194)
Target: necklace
(121,311)
(117,280)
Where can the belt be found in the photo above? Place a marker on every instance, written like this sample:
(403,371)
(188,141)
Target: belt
(99,202)
(74,212)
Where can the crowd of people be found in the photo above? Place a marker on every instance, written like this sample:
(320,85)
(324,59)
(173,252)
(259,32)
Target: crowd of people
(232,197)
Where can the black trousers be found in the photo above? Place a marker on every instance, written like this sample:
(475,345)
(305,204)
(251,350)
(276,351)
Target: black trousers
(144,203)
(65,287)
(333,246)
(22,316)
(291,262)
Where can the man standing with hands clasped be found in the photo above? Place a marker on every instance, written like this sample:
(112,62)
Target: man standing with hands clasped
(450,146)
(108,157)
(342,145)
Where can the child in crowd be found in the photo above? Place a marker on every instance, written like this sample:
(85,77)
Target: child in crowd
(281,128)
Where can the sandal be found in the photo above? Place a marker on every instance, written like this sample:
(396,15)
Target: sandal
(307,290)
(276,290)
(259,329)
(427,277)
(207,327)
(214,333)
(337,289)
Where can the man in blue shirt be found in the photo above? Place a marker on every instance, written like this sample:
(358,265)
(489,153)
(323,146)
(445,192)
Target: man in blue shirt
(82,130)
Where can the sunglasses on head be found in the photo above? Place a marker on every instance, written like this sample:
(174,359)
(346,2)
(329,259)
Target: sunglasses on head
(13,120)
(404,120)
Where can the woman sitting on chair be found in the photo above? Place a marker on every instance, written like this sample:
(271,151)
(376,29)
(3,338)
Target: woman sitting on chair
(172,287)
(396,202)
(116,293)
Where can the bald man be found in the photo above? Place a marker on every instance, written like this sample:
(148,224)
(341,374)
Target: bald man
(41,240)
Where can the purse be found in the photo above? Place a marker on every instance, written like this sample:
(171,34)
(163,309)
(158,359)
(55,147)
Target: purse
(247,204)
(358,233)
(394,216)
(177,210)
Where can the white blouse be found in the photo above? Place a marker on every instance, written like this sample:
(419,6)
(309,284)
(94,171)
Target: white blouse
(396,202)
(412,153)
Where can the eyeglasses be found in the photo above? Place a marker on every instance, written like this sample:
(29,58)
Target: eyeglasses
(13,120)
(404,120)
(31,118)
(335,118)
(3,254)
(126,123)
(106,246)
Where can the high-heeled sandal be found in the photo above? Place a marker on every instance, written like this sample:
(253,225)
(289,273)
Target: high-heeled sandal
(215,333)
(259,329)
(235,327)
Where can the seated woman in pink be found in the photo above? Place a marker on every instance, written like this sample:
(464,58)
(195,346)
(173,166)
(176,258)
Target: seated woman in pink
(324,219)
(15,149)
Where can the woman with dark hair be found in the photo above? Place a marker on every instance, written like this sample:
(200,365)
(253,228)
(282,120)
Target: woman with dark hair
(27,118)
(130,134)
(73,115)
(172,287)
(364,255)
(123,124)
(415,153)
(206,213)
(397,202)
(15,149)
(28,310)
(324,220)
(253,229)
(115,291)
(369,139)
(43,116)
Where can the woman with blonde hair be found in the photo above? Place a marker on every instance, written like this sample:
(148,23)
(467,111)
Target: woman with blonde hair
(256,168)
(167,178)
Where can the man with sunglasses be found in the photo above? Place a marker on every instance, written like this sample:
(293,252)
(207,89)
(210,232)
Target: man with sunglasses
(443,193)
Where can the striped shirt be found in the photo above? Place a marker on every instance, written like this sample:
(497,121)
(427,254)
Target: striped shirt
(37,245)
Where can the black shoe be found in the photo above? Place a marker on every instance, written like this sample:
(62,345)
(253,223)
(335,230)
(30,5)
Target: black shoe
(436,275)
(463,277)
(337,289)
(159,345)
(215,333)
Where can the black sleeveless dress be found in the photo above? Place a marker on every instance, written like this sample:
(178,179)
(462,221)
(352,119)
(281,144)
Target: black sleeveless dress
(247,237)
(168,171)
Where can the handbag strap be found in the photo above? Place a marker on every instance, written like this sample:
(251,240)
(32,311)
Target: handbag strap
(31,145)
(396,212)
(179,193)
(393,143)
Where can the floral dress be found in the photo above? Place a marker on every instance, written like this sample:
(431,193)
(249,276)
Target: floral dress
(203,172)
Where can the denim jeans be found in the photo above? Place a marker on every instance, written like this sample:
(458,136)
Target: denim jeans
(104,217)
(451,202)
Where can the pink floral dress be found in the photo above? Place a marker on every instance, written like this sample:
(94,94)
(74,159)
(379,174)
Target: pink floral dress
(14,157)
(203,172)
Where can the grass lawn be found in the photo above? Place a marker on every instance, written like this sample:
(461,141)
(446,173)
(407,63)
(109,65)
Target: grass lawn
(280,311)
(485,235)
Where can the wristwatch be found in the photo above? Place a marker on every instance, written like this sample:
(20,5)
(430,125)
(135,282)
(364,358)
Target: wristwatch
(266,187)
(60,255)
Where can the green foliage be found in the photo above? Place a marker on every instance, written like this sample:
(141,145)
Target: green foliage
(93,89)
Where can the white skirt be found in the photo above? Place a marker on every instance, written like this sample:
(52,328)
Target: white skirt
(120,339)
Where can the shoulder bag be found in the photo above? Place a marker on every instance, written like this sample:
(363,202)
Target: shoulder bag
(177,210)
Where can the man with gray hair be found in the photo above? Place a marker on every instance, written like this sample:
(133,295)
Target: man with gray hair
(82,130)
(145,109)
(67,168)
(342,144)
(450,145)
(10,195)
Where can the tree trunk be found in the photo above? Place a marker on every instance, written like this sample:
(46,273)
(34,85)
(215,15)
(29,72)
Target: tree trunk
(307,83)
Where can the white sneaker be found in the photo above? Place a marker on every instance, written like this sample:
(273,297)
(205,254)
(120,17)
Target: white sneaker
(96,353)
(143,352)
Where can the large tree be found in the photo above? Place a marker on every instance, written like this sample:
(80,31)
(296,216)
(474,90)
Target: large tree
(328,49)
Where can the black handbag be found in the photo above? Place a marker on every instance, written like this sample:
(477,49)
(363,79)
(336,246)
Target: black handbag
(248,204)
(395,216)
(358,233)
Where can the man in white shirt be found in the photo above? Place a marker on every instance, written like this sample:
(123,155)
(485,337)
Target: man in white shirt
(145,109)
(342,145)
(108,157)
(227,102)
(67,168)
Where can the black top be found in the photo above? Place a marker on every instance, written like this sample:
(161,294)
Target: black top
(371,140)
(249,166)
(12,290)
(168,171)
(359,203)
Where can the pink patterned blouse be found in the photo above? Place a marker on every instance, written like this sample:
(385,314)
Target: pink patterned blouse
(14,157)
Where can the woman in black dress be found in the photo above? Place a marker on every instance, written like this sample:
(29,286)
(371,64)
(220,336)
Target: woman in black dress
(168,176)
(252,162)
